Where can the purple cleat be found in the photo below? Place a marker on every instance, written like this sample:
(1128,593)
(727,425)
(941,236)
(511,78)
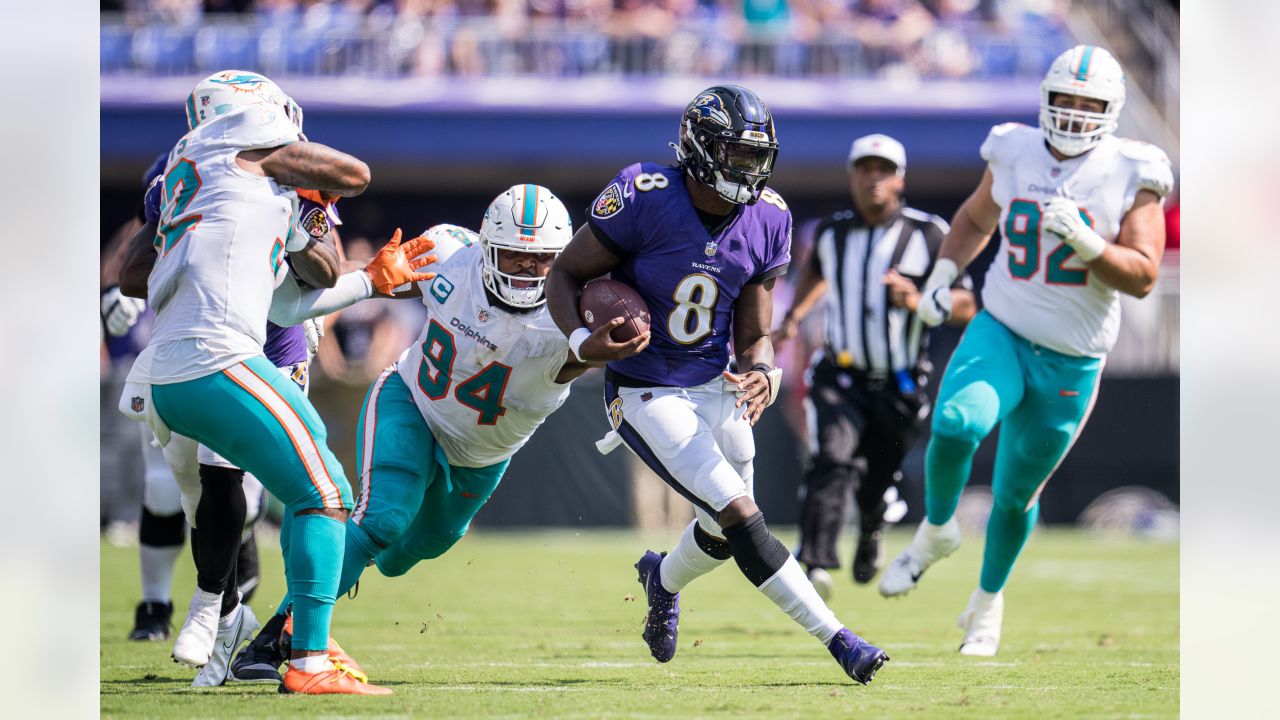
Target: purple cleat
(664,609)
(859,658)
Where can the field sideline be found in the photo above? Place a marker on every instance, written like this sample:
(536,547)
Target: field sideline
(547,624)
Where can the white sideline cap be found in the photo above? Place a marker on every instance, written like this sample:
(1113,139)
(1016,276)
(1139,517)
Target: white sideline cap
(881,146)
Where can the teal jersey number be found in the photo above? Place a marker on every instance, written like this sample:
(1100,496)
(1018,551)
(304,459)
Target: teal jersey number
(481,392)
(1022,229)
(181,184)
(438,352)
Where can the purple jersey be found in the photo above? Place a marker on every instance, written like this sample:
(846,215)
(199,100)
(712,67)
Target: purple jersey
(285,346)
(688,277)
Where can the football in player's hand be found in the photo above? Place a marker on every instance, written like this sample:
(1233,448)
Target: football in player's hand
(603,300)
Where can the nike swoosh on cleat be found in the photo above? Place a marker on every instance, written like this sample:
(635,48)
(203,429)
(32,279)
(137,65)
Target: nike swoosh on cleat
(915,577)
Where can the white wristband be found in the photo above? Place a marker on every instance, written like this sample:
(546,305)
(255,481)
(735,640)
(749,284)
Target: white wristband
(1088,244)
(944,273)
(576,338)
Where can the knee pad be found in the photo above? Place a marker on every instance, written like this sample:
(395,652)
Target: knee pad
(759,554)
(161,530)
(950,421)
(394,561)
(711,545)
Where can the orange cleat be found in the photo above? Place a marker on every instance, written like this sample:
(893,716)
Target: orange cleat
(335,652)
(337,680)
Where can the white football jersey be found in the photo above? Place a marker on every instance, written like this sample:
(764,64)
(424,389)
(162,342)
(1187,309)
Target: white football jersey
(220,249)
(1036,285)
(482,375)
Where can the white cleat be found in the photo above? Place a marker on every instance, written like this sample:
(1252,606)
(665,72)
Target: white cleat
(822,582)
(981,622)
(931,544)
(233,631)
(195,640)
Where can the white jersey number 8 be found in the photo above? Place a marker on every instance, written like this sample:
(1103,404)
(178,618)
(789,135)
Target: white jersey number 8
(695,297)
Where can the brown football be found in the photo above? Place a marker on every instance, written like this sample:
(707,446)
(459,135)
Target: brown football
(603,300)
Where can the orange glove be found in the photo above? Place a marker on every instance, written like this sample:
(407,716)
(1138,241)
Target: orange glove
(394,265)
(316,196)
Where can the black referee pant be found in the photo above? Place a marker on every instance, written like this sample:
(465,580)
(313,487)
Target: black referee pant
(865,426)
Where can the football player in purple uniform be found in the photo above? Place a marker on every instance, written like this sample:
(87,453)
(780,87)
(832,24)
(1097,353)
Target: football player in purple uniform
(702,242)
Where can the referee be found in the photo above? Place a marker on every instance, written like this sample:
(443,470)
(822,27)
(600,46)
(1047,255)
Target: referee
(867,387)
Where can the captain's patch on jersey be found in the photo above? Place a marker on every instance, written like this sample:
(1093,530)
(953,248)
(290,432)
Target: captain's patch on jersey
(609,202)
(441,288)
(316,222)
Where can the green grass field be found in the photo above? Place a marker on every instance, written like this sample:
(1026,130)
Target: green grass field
(548,625)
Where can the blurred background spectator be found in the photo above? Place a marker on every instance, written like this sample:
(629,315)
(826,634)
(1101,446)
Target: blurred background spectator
(471,38)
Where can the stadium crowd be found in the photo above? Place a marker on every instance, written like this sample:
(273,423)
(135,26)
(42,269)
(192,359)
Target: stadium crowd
(896,38)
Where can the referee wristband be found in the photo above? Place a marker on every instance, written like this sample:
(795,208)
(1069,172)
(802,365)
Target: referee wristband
(576,338)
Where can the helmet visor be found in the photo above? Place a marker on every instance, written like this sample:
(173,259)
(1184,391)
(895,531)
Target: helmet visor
(746,160)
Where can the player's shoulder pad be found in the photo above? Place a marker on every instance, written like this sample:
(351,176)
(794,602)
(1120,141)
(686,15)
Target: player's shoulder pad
(925,218)
(253,127)
(1150,164)
(772,204)
(1001,137)
(449,239)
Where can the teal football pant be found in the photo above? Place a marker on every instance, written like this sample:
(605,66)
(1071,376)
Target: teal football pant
(261,421)
(1043,399)
(413,505)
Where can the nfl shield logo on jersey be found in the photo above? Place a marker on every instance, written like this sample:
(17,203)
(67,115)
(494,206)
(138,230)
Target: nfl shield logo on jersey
(137,404)
(710,249)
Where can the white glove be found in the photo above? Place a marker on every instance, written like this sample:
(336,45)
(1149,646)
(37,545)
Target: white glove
(1062,218)
(313,328)
(935,299)
(119,311)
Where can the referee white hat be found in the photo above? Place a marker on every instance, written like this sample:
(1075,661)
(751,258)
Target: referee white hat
(881,146)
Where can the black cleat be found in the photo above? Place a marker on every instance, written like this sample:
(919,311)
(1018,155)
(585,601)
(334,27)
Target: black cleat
(260,660)
(151,621)
(868,558)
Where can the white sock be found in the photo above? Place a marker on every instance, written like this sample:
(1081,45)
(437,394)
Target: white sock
(157,571)
(686,562)
(791,590)
(202,598)
(311,663)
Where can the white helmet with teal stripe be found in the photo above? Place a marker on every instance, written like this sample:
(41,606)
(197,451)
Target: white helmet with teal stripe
(228,90)
(528,219)
(1087,71)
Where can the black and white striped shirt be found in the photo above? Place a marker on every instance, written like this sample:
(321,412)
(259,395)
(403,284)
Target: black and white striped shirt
(864,330)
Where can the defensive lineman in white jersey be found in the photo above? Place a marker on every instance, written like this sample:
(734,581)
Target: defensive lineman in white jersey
(228,209)
(438,428)
(1079,211)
